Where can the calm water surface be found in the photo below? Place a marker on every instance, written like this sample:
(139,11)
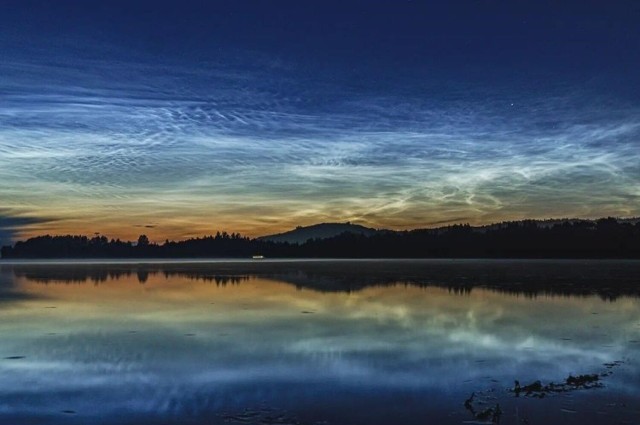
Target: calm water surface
(320,342)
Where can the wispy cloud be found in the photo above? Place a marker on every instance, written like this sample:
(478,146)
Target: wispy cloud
(254,149)
(11,225)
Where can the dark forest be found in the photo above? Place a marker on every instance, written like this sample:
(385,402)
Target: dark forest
(603,238)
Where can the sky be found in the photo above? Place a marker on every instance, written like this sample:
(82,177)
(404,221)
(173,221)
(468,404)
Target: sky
(178,119)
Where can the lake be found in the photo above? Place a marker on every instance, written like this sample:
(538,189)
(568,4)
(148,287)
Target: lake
(319,342)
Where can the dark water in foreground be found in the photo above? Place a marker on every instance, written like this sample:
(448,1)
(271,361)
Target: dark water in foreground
(322,342)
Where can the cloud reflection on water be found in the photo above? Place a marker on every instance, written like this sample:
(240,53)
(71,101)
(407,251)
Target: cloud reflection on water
(175,347)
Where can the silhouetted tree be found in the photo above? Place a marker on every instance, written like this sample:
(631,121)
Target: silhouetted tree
(143,241)
(605,238)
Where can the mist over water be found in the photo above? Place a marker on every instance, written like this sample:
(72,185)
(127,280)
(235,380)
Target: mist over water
(315,342)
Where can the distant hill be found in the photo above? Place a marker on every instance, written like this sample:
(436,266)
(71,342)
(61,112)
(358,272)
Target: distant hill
(301,234)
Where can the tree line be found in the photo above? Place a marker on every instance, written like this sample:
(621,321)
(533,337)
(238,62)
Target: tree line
(603,238)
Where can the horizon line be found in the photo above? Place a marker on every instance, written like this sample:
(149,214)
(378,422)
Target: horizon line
(348,222)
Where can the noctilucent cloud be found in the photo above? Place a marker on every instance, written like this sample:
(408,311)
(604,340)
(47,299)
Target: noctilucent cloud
(177,119)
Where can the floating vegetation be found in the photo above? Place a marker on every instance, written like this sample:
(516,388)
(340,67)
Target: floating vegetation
(492,414)
(487,415)
(536,389)
(613,364)
(572,383)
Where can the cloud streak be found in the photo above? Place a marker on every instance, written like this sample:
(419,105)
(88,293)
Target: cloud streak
(259,150)
(11,225)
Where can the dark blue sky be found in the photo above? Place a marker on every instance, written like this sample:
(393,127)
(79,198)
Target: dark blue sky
(256,116)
